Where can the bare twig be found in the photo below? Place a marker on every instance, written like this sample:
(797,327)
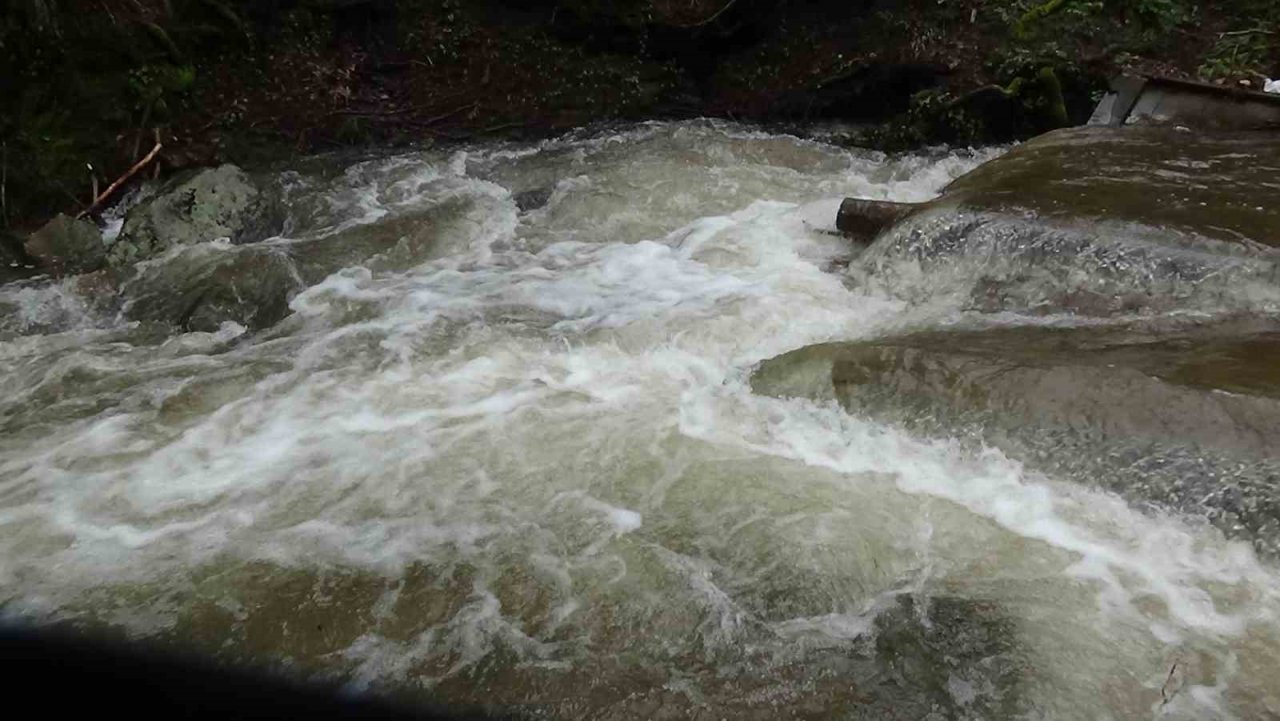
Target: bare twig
(500,126)
(146,117)
(1170,687)
(707,21)
(1251,31)
(428,122)
(111,189)
(374,113)
(450,114)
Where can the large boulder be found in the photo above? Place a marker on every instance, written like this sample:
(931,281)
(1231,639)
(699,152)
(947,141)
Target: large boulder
(1095,222)
(222,202)
(199,287)
(66,246)
(208,284)
(1187,419)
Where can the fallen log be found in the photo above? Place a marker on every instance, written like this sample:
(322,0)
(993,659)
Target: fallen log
(863,219)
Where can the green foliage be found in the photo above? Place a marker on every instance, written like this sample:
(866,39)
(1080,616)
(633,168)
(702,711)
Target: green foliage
(44,156)
(1036,14)
(1158,15)
(934,117)
(1162,15)
(1025,60)
(1235,55)
(160,88)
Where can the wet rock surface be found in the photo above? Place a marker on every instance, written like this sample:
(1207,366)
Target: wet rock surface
(1186,420)
(1135,276)
(201,287)
(393,243)
(222,202)
(961,653)
(1220,186)
(1097,222)
(65,245)
(533,199)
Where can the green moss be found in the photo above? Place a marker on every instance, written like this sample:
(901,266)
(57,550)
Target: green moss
(1035,15)
(1048,101)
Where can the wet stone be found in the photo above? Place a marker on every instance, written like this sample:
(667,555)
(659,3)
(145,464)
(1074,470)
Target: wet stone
(533,199)
(1185,420)
(209,284)
(958,655)
(221,202)
(65,246)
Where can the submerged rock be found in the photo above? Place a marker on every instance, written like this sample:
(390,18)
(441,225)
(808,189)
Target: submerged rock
(201,287)
(394,243)
(533,199)
(958,655)
(66,246)
(221,202)
(1185,420)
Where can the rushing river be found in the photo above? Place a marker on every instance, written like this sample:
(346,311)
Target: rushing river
(524,468)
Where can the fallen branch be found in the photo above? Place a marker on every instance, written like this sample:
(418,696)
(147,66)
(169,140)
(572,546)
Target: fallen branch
(373,113)
(707,21)
(1251,31)
(450,114)
(1171,686)
(393,112)
(427,123)
(500,126)
(111,189)
(4,186)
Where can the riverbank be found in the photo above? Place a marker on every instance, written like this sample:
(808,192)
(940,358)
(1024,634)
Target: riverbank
(96,84)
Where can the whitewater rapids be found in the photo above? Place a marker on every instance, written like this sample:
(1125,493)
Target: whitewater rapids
(528,471)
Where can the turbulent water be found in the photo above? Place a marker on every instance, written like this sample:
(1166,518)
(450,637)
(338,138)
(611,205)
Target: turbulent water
(525,468)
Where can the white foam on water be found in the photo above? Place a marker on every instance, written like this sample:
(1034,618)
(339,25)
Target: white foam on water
(554,424)
(48,305)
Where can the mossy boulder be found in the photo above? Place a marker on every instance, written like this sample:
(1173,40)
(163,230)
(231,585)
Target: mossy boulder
(222,202)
